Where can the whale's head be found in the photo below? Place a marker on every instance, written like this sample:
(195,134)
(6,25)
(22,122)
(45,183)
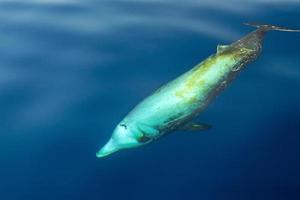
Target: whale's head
(124,136)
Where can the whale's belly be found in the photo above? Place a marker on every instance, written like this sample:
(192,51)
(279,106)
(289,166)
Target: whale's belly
(183,98)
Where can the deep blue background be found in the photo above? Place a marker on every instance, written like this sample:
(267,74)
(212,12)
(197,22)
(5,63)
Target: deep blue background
(71,70)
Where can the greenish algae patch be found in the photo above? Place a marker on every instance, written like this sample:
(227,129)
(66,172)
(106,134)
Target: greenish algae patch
(204,75)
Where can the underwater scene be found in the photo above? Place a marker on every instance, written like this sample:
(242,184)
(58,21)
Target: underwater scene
(72,70)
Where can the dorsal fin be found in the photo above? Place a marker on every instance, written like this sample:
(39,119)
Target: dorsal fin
(221,48)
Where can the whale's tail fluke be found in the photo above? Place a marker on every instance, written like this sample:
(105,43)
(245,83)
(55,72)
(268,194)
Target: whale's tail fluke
(266,27)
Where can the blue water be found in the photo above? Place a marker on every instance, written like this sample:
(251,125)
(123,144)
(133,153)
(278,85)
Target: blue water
(71,70)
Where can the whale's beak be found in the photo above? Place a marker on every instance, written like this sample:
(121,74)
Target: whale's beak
(108,149)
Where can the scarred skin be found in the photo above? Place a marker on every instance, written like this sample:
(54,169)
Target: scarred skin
(179,101)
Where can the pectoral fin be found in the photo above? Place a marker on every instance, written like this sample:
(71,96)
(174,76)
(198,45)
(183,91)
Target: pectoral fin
(195,127)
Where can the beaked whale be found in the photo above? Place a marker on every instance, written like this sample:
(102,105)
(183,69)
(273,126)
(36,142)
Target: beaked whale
(173,106)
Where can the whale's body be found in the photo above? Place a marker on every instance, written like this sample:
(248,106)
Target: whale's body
(175,104)
(185,97)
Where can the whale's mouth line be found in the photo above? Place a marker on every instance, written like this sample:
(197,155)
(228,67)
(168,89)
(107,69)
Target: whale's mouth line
(109,148)
(102,155)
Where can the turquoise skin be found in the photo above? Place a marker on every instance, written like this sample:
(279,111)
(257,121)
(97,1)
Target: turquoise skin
(175,104)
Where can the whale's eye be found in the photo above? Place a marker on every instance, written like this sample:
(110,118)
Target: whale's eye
(123,125)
